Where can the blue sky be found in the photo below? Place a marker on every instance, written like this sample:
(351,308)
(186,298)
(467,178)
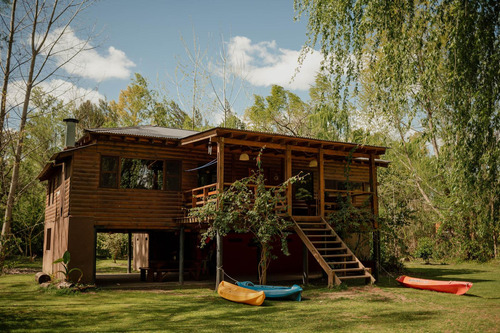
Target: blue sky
(261,40)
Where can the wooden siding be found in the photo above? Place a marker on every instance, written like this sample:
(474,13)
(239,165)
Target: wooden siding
(129,206)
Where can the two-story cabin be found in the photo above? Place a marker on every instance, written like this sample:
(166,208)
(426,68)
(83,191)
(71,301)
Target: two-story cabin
(143,180)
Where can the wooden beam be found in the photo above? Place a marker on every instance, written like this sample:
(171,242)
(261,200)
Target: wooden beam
(219,274)
(321,162)
(198,137)
(220,163)
(373,185)
(292,147)
(288,175)
(374,204)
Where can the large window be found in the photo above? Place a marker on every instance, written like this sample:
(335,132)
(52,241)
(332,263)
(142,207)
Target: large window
(142,174)
(109,171)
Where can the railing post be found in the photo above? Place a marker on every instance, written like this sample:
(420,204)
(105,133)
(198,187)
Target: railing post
(288,175)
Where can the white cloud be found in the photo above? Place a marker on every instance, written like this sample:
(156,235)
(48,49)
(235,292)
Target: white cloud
(68,92)
(264,64)
(61,89)
(88,63)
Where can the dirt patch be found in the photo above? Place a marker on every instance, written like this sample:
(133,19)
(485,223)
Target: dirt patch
(22,271)
(372,292)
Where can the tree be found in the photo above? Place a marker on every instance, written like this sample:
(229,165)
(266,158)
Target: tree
(428,68)
(282,112)
(329,120)
(247,206)
(140,104)
(47,23)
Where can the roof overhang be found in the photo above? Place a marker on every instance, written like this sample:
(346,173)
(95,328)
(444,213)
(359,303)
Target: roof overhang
(282,142)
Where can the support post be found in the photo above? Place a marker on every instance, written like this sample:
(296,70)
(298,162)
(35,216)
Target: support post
(321,167)
(305,264)
(374,206)
(129,253)
(181,256)
(288,175)
(219,275)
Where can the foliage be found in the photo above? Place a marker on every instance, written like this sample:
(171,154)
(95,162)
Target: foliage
(113,245)
(139,104)
(280,112)
(247,206)
(426,72)
(64,261)
(425,249)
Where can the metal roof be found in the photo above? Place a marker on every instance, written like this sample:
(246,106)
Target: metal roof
(148,131)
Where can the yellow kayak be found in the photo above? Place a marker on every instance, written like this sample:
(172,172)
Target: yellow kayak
(234,293)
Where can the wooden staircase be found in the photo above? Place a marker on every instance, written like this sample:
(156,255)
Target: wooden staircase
(336,259)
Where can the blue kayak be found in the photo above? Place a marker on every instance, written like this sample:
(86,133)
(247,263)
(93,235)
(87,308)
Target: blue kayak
(293,292)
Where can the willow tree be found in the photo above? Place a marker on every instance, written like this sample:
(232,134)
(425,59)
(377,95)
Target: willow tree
(428,69)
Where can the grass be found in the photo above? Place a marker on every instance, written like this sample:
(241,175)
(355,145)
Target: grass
(108,266)
(386,307)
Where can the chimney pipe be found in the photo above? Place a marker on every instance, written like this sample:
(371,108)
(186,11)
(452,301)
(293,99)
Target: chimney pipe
(70,132)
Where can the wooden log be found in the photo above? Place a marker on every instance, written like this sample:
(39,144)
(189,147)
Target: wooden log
(41,277)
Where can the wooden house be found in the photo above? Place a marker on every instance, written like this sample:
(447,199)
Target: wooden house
(143,180)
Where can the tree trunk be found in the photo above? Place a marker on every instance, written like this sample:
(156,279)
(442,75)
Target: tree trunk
(263,264)
(3,104)
(6,228)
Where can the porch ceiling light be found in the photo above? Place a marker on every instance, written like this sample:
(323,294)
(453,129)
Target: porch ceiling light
(313,163)
(244,157)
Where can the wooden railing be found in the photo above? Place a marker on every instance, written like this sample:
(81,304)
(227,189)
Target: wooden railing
(331,203)
(197,197)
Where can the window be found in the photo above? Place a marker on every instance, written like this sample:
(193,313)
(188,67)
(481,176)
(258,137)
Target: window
(109,171)
(141,174)
(48,240)
(173,175)
(67,169)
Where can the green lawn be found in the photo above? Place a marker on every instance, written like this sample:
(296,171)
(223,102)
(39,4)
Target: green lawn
(108,266)
(387,307)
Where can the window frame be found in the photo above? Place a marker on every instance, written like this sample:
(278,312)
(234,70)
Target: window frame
(165,162)
(101,172)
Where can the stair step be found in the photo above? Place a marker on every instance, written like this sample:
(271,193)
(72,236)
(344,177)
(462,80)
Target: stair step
(329,235)
(347,277)
(336,255)
(328,248)
(315,229)
(340,270)
(328,242)
(310,223)
(307,218)
(342,262)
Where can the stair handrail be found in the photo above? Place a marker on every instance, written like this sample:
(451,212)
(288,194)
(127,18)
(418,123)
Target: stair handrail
(319,258)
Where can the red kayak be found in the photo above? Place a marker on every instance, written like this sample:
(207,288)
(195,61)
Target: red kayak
(452,287)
